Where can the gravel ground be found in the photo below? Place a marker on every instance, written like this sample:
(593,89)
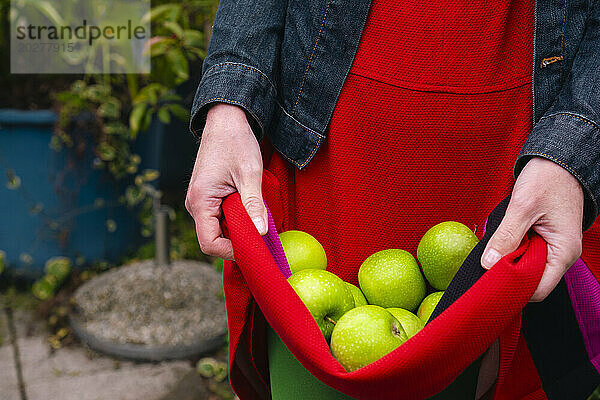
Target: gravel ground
(145,304)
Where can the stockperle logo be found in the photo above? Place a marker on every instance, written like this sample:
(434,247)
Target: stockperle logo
(81,37)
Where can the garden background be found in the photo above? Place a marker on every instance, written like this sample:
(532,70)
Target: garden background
(86,161)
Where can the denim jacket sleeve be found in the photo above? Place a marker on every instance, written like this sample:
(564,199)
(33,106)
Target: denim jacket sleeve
(242,61)
(568,133)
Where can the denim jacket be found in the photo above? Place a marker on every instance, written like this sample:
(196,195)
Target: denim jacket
(285,61)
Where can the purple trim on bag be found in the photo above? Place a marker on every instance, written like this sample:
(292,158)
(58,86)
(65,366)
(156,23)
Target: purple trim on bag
(274,245)
(584,291)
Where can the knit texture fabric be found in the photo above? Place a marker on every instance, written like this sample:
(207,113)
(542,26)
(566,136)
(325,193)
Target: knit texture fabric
(427,128)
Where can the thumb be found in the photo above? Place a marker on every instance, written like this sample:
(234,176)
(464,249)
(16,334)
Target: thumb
(251,194)
(507,237)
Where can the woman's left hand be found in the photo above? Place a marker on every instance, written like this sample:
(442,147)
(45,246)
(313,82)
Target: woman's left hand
(548,199)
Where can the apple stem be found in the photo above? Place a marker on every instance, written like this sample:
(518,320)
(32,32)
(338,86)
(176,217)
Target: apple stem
(328,319)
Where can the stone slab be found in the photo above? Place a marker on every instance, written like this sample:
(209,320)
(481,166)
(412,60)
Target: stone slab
(9,385)
(78,374)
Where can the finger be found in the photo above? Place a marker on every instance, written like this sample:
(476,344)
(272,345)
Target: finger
(559,260)
(249,185)
(508,236)
(211,240)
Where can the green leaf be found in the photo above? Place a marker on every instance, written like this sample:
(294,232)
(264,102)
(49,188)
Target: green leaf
(106,152)
(168,11)
(198,52)
(133,195)
(96,93)
(179,111)
(111,225)
(36,209)
(58,267)
(149,93)
(147,120)
(135,118)
(2,261)
(77,87)
(116,128)
(26,258)
(12,180)
(43,289)
(206,367)
(135,158)
(110,109)
(160,46)
(193,38)
(220,372)
(170,97)
(174,27)
(150,175)
(146,232)
(49,11)
(178,62)
(164,115)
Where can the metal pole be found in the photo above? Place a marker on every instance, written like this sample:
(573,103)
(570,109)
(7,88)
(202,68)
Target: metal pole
(161,236)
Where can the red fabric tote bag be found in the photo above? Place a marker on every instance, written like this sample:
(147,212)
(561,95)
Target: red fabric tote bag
(256,291)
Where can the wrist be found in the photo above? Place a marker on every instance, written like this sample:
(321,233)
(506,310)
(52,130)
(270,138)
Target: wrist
(225,112)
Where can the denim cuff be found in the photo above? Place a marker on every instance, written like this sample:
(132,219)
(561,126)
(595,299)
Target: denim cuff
(238,84)
(573,142)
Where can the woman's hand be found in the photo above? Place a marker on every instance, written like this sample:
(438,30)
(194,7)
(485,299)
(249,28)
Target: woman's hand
(548,199)
(228,160)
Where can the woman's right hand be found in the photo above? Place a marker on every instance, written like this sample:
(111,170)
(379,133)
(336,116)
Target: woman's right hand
(228,160)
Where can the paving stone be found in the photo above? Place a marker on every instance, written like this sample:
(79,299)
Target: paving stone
(27,324)
(190,387)
(144,382)
(9,386)
(70,373)
(4,335)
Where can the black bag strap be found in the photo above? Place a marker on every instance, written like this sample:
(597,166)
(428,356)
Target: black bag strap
(549,327)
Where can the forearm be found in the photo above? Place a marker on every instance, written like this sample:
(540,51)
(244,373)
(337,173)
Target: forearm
(242,58)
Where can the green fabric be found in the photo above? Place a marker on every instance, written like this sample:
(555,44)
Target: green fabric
(290,380)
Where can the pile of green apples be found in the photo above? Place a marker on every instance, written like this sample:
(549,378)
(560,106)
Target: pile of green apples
(363,324)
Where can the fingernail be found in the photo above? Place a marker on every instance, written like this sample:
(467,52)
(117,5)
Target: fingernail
(260,225)
(490,258)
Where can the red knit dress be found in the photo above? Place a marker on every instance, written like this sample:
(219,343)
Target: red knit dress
(427,128)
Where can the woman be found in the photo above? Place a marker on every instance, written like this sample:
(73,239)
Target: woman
(388,117)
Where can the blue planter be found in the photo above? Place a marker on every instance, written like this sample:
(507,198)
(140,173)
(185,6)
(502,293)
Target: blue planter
(58,205)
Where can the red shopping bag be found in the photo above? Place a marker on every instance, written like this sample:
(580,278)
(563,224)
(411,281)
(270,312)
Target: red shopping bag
(255,288)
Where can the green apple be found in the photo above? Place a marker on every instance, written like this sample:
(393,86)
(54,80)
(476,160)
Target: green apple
(359,297)
(442,250)
(302,251)
(409,321)
(392,278)
(428,305)
(364,335)
(324,294)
